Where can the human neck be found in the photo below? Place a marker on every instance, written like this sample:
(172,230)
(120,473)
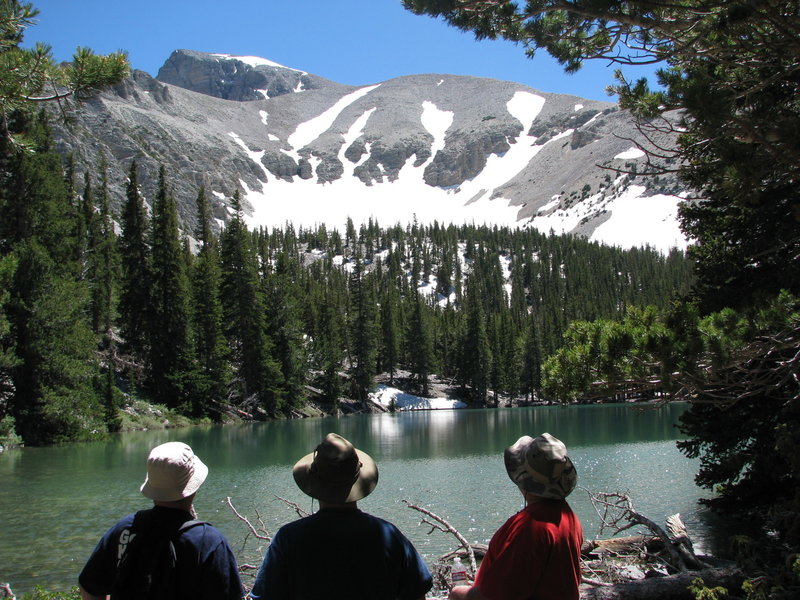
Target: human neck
(183,504)
(323,504)
(532,499)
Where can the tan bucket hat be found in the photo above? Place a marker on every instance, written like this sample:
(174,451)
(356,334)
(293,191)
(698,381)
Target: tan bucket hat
(336,472)
(541,466)
(174,472)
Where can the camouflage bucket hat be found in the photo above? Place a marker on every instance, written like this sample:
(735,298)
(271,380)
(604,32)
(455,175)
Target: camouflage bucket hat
(541,466)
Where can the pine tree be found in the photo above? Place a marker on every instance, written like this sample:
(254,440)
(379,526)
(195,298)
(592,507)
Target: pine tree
(100,259)
(108,263)
(284,326)
(87,232)
(531,373)
(210,344)
(476,358)
(30,76)
(420,345)
(390,333)
(47,360)
(171,362)
(8,357)
(244,319)
(363,349)
(136,278)
(329,351)
(53,362)
(54,398)
(111,400)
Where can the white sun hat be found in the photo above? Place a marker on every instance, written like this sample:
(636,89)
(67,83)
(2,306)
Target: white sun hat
(174,472)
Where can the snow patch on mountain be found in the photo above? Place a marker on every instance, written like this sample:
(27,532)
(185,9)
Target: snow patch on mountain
(356,131)
(308,131)
(631,153)
(631,213)
(254,155)
(310,201)
(524,107)
(256,61)
(437,122)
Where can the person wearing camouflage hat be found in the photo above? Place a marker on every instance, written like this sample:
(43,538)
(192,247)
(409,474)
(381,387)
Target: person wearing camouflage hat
(536,553)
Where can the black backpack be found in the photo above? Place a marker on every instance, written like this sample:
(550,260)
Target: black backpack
(146,569)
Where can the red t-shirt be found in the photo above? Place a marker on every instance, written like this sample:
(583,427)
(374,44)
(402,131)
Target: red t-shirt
(535,555)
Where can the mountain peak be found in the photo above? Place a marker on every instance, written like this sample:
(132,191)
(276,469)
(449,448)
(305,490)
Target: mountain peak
(239,78)
(255,61)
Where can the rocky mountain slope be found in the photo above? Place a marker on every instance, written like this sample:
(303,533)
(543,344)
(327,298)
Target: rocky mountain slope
(304,149)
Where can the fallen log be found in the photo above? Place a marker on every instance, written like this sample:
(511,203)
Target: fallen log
(671,587)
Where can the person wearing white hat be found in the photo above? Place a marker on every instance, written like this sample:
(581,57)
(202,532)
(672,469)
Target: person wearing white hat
(127,562)
(536,553)
(340,551)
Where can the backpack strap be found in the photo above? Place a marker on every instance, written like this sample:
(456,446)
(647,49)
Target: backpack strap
(186,526)
(189,524)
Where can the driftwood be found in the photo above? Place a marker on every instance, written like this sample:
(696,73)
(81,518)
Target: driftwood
(671,587)
(616,512)
(609,566)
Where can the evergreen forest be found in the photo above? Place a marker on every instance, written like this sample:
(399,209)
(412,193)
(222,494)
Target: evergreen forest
(104,305)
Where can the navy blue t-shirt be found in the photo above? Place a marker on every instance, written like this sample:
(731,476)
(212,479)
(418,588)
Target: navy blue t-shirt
(205,567)
(341,553)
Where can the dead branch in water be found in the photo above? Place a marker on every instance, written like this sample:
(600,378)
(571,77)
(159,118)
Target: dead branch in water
(300,512)
(262,533)
(444,526)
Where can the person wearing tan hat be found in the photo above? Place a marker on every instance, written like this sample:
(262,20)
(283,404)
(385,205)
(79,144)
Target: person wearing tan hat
(536,553)
(340,551)
(130,553)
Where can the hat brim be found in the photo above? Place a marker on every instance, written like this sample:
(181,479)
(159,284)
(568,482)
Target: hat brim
(310,484)
(173,493)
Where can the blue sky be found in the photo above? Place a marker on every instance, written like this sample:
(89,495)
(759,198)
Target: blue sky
(355,42)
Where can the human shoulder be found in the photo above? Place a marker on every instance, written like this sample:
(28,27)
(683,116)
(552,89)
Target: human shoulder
(547,508)
(124,523)
(380,523)
(202,533)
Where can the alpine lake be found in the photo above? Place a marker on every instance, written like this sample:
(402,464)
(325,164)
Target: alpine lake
(56,502)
